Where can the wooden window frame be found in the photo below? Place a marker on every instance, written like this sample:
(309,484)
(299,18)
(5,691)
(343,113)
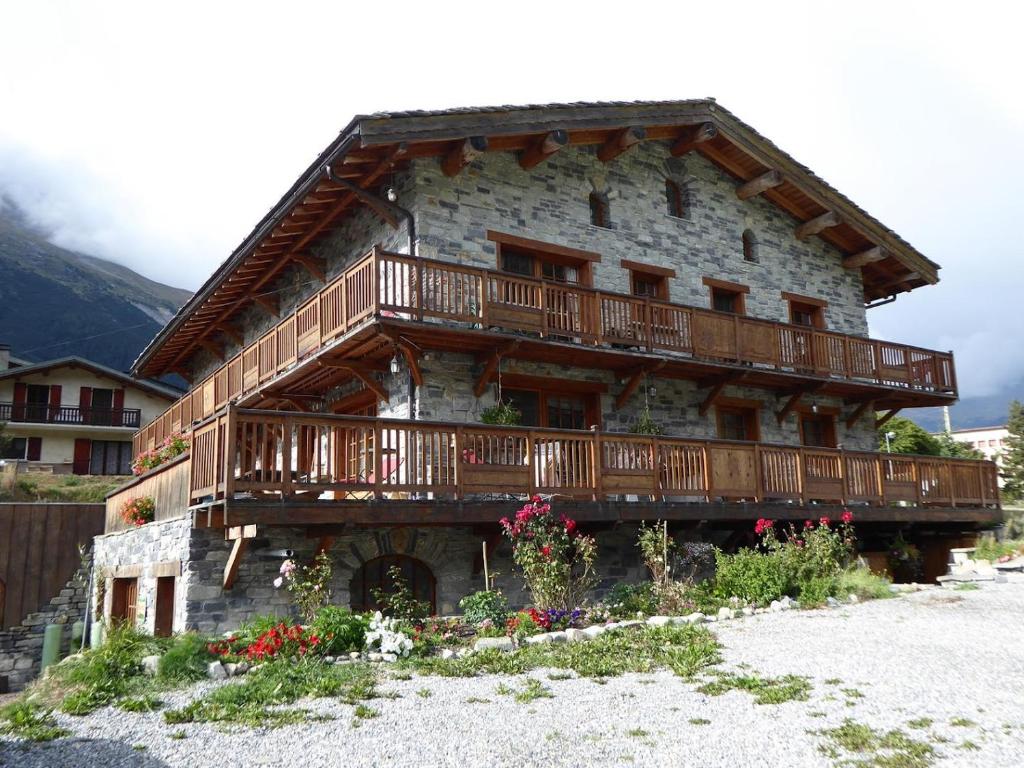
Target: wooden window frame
(546,252)
(658,275)
(824,413)
(751,410)
(675,199)
(738,289)
(545,387)
(808,304)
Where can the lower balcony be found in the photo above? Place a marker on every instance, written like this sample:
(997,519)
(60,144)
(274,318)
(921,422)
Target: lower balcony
(43,413)
(283,468)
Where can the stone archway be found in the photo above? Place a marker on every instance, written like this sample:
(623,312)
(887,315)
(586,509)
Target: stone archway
(373,575)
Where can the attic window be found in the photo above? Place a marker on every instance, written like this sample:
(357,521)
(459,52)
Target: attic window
(749,246)
(600,215)
(674,198)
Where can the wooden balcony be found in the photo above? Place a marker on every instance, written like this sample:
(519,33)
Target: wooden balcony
(392,288)
(42,413)
(273,459)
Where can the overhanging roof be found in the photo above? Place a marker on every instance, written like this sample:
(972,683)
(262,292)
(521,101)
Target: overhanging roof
(373,145)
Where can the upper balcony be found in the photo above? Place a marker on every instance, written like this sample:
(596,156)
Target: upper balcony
(450,306)
(71,415)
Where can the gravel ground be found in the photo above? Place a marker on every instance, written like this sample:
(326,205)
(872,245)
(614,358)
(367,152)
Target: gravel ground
(941,655)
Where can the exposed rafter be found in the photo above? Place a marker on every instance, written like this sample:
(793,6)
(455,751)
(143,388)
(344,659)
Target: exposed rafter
(543,148)
(635,378)
(885,419)
(876,253)
(410,351)
(493,360)
(384,208)
(462,154)
(762,183)
(818,224)
(896,281)
(858,412)
(620,141)
(692,136)
(360,372)
(314,266)
(789,407)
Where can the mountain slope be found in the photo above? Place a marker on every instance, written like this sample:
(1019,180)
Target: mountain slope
(55,302)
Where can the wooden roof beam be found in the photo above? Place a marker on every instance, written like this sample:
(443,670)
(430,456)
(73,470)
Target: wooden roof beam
(871,255)
(897,281)
(231,332)
(818,224)
(313,265)
(634,379)
(410,351)
(238,548)
(789,407)
(491,366)
(756,186)
(885,419)
(858,412)
(360,372)
(620,141)
(462,154)
(543,148)
(692,137)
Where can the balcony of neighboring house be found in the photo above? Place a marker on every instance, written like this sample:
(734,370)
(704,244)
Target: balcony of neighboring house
(388,303)
(70,415)
(260,467)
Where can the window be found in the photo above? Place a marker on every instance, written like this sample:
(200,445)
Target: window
(534,258)
(727,297)
(674,196)
(737,420)
(749,246)
(110,457)
(373,576)
(554,410)
(818,430)
(600,213)
(805,310)
(14,448)
(124,601)
(37,399)
(647,280)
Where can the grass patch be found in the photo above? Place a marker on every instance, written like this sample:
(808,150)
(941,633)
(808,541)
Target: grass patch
(147,702)
(477,700)
(699,721)
(185,661)
(364,712)
(563,676)
(532,691)
(80,489)
(962,722)
(833,681)
(852,693)
(966,586)
(424,693)
(30,722)
(765,690)
(969,746)
(637,733)
(249,702)
(177,735)
(919,723)
(684,649)
(864,584)
(893,749)
(401,675)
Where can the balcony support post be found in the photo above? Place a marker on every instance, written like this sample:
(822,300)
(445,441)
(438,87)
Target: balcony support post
(858,412)
(885,419)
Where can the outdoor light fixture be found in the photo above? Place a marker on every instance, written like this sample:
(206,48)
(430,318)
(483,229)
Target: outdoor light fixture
(391,194)
(814,408)
(395,363)
(652,390)
(889,436)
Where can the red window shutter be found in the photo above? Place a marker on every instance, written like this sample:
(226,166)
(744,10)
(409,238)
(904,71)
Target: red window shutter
(83,454)
(84,404)
(35,449)
(117,417)
(55,391)
(20,396)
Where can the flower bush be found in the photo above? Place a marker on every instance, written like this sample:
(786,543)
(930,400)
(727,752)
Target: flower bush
(309,584)
(486,605)
(385,637)
(173,445)
(340,630)
(138,511)
(556,560)
(280,642)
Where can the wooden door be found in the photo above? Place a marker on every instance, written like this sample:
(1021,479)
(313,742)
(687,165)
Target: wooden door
(124,601)
(164,621)
(82,457)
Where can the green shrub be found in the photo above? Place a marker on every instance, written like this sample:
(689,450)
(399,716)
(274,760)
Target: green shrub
(816,590)
(864,584)
(627,600)
(485,605)
(988,548)
(399,601)
(29,721)
(340,630)
(750,576)
(186,659)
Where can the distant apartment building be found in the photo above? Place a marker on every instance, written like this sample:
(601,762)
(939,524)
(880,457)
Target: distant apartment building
(991,441)
(71,415)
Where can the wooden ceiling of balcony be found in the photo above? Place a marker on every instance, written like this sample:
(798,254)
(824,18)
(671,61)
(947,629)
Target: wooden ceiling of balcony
(372,147)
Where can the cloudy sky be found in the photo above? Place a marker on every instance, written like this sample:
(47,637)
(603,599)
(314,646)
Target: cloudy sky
(158,138)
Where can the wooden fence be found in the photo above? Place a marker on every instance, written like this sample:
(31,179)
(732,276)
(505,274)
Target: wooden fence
(423,289)
(39,553)
(275,453)
(168,485)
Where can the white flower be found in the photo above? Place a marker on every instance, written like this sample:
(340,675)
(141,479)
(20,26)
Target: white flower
(278,582)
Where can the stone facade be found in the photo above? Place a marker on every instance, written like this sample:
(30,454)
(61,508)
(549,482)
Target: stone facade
(21,647)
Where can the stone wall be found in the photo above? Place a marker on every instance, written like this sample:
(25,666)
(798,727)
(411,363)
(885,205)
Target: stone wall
(550,203)
(21,647)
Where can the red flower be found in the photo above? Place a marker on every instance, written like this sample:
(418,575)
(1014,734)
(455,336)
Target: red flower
(763,525)
(546,551)
(847,516)
(808,524)
(825,522)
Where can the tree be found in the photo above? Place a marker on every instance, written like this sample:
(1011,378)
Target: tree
(908,437)
(1013,455)
(955,449)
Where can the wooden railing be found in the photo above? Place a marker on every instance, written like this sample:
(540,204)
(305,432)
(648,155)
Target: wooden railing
(278,454)
(412,288)
(42,413)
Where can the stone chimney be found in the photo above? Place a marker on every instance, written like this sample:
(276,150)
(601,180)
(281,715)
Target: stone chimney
(5,356)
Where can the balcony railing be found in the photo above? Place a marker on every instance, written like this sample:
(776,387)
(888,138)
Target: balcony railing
(404,287)
(38,413)
(241,453)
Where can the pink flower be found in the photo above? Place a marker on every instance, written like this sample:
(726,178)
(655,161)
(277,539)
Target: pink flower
(278,582)
(287,567)
(847,516)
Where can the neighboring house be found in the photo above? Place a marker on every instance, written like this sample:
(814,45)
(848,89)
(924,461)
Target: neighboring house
(74,415)
(593,265)
(989,440)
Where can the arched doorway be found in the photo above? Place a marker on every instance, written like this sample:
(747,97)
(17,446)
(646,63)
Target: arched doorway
(374,575)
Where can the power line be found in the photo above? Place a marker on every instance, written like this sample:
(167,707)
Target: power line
(84,338)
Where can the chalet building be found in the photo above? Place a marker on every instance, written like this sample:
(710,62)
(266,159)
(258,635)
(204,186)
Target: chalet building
(602,268)
(74,415)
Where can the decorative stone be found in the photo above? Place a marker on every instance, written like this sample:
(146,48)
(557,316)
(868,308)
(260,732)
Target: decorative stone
(354,655)
(576,636)
(659,621)
(539,639)
(375,656)
(724,613)
(558,637)
(150,665)
(230,668)
(775,606)
(747,611)
(496,643)
(852,598)
(215,671)
(831,602)
(390,658)
(594,631)
(710,618)
(447,653)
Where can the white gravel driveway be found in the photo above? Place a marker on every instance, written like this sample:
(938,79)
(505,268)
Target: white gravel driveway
(944,656)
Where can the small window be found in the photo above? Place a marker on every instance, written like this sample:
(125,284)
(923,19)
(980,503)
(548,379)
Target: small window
(737,422)
(749,246)
(600,215)
(516,262)
(648,286)
(14,448)
(804,310)
(818,430)
(726,296)
(124,601)
(674,198)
